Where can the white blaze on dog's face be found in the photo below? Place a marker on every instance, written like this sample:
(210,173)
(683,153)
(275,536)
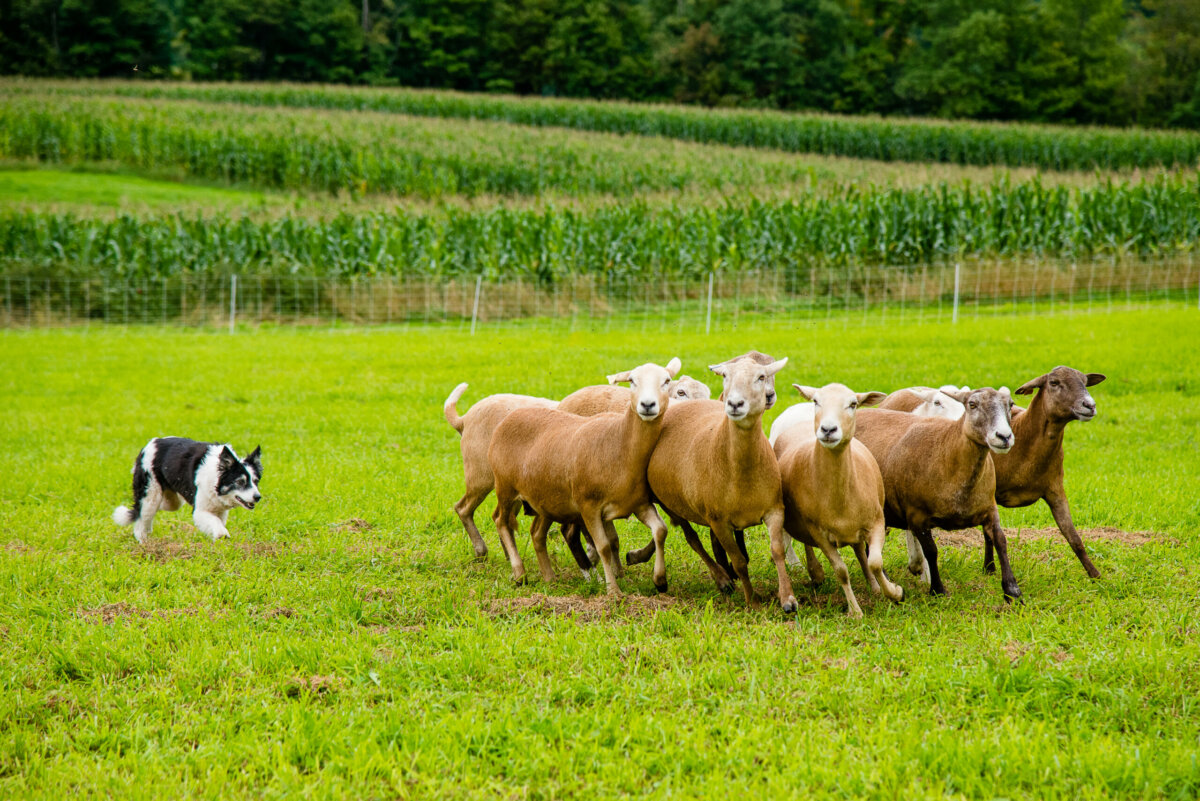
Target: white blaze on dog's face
(745,387)
(988,417)
(237,481)
(834,407)
(649,387)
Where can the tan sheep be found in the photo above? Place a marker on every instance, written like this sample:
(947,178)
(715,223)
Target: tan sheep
(589,470)
(939,473)
(833,490)
(601,398)
(476,428)
(713,466)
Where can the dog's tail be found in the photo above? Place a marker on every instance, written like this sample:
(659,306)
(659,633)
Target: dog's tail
(451,413)
(124,516)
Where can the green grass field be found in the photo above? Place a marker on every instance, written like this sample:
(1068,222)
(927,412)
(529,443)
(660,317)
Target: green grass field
(344,643)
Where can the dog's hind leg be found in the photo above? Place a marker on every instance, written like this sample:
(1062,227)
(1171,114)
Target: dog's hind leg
(144,524)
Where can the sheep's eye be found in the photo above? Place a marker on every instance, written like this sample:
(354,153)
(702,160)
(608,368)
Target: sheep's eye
(973,404)
(937,403)
(1054,383)
(853,404)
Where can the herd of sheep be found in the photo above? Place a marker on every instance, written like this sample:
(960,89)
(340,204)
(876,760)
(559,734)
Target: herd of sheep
(833,474)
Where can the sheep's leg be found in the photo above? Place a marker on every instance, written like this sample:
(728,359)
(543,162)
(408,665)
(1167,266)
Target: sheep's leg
(719,555)
(790,555)
(570,535)
(1057,501)
(875,564)
(649,515)
(929,548)
(916,559)
(860,553)
(600,529)
(465,509)
(816,573)
(843,575)
(537,533)
(1008,582)
(741,566)
(989,559)
(505,518)
(779,541)
(720,576)
(614,541)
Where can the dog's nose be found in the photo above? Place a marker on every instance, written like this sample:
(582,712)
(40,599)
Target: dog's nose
(257,497)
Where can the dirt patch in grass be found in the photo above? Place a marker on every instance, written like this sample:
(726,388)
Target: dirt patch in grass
(265,549)
(16,546)
(600,607)
(111,613)
(355,524)
(279,611)
(973,537)
(315,685)
(377,594)
(165,550)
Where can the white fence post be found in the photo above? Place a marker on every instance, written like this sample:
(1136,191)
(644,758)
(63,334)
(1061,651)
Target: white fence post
(232,302)
(957,276)
(708,317)
(475,309)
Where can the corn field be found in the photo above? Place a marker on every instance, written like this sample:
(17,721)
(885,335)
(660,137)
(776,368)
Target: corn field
(861,295)
(635,240)
(1047,147)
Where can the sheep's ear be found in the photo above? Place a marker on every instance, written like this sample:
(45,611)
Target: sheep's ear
(620,378)
(720,369)
(1095,378)
(808,393)
(870,398)
(1006,392)
(1029,386)
(959,395)
(674,366)
(775,367)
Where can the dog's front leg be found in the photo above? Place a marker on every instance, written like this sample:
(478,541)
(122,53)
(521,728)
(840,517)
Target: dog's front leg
(210,524)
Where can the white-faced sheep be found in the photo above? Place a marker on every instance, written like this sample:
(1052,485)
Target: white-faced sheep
(833,492)
(589,470)
(940,473)
(713,466)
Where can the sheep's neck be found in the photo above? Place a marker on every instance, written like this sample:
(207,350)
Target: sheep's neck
(1035,432)
(639,436)
(833,471)
(741,441)
(964,456)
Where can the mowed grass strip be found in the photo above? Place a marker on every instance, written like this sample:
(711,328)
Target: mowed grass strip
(345,643)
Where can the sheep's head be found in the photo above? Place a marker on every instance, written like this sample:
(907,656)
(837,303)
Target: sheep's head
(649,387)
(1064,393)
(745,387)
(936,403)
(687,388)
(834,407)
(758,358)
(988,416)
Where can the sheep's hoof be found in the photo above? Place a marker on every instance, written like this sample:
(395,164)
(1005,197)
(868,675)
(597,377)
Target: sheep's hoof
(661,587)
(481,554)
(635,558)
(521,580)
(1013,593)
(790,606)
(900,600)
(937,591)
(914,569)
(989,567)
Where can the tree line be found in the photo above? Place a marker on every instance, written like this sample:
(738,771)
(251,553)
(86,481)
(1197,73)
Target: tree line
(1112,62)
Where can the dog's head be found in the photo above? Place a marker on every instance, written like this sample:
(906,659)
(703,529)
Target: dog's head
(237,481)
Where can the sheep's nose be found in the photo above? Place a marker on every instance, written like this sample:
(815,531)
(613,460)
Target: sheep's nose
(735,405)
(828,430)
(1089,404)
(648,407)
(1005,438)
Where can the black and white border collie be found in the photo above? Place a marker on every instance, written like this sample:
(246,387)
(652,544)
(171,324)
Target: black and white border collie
(208,475)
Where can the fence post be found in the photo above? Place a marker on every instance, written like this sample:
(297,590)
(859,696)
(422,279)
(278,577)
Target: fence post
(957,276)
(475,308)
(232,302)
(708,316)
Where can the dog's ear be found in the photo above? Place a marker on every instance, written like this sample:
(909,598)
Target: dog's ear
(227,460)
(254,462)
